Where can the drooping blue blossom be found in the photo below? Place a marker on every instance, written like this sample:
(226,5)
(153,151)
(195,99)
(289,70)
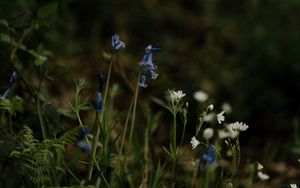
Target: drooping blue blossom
(84,146)
(153,75)
(13,78)
(142,81)
(82,133)
(209,158)
(147,63)
(99,102)
(81,142)
(116,43)
(5,94)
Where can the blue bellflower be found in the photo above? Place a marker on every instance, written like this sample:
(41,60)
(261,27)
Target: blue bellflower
(13,78)
(99,102)
(5,94)
(80,142)
(147,64)
(209,158)
(142,81)
(116,43)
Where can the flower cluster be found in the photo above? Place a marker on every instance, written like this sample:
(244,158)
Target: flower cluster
(176,95)
(80,142)
(12,80)
(147,64)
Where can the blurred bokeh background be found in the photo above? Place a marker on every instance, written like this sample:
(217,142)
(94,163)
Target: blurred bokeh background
(245,53)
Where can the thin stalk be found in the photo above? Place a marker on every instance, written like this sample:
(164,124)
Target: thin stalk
(146,153)
(42,123)
(134,109)
(174,153)
(98,123)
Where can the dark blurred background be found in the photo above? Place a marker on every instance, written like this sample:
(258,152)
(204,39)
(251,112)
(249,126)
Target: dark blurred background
(245,53)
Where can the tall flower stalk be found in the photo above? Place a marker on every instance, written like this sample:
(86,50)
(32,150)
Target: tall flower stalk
(117,44)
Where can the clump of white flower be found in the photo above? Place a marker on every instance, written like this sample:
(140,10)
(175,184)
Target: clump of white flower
(194,142)
(262,176)
(208,133)
(220,117)
(293,186)
(238,126)
(176,95)
(201,96)
(227,132)
(259,166)
(209,117)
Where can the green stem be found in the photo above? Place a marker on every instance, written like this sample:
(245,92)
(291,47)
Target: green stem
(134,108)
(98,123)
(42,123)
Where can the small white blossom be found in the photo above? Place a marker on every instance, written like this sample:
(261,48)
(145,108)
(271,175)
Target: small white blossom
(238,126)
(208,133)
(262,176)
(200,96)
(226,107)
(220,117)
(293,186)
(259,166)
(177,95)
(210,107)
(194,142)
(209,117)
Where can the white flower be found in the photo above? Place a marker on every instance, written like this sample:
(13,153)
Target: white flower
(209,117)
(226,107)
(293,186)
(259,166)
(208,133)
(238,126)
(177,95)
(210,107)
(194,142)
(200,96)
(262,176)
(220,117)
(223,134)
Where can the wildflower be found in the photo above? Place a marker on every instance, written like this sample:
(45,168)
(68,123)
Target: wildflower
(259,166)
(99,103)
(238,126)
(293,186)
(80,143)
(142,81)
(116,43)
(226,107)
(262,176)
(210,107)
(13,78)
(176,95)
(201,96)
(84,146)
(209,117)
(5,94)
(153,48)
(194,142)
(208,133)
(153,75)
(209,158)
(220,117)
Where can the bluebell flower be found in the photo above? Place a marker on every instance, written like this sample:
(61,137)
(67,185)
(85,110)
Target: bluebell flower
(84,146)
(116,43)
(209,158)
(153,48)
(142,81)
(99,102)
(5,94)
(82,133)
(153,75)
(13,78)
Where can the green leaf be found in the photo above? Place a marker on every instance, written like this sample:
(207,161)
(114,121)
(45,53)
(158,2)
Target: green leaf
(40,60)
(46,11)
(69,114)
